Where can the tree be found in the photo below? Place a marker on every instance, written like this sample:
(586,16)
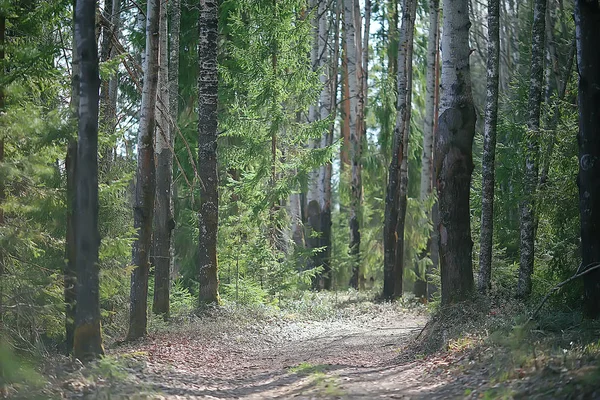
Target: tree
(587,22)
(453,155)
(87,340)
(489,147)
(319,194)
(208,215)
(145,179)
(426,188)
(355,142)
(163,207)
(70,267)
(394,220)
(527,206)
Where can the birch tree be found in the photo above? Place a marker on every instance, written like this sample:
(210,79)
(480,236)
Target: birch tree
(453,155)
(355,144)
(208,216)
(317,196)
(527,206)
(587,22)
(87,340)
(489,147)
(145,179)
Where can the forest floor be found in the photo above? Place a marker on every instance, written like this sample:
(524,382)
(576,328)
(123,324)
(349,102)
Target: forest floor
(349,348)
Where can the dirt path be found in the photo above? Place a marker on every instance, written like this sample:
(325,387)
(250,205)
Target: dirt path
(350,358)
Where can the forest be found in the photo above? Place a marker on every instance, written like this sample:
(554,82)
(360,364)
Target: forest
(299,199)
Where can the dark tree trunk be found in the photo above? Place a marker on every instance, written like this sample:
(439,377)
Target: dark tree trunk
(587,22)
(527,206)
(208,215)
(489,148)
(394,222)
(87,342)
(145,182)
(70,272)
(453,155)
(163,208)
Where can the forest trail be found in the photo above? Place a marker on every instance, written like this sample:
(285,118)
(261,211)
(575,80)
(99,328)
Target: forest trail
(354,356)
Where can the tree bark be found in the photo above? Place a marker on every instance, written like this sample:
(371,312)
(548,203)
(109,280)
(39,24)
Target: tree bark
(587,23)
(70,267)
(453,155)
(319,195)
(163,208)
(393,227)
(527,206)
(420,289)
(489,148)
(207,152)
(355,143)
(87,342)
(403,189)
(145,179)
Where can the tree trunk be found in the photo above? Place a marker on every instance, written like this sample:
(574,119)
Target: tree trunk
(355,144)
(420,289)
(87,341)
(489,148)
(403,189)
(163,208)
(208,216)
(70,271)
(145,179)
(587,22)
(527,206)
(319,195)
(453,155)
(392,229)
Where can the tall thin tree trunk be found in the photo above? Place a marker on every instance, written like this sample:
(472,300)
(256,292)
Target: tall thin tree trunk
(453,155)
(326,222)
(208,216)
(420,288)
(587,22)
(435,209)
(87,342)
(163,208)
(345,107)
(489,148)
(70,272)
(403,189)
(355,145)
(146,179)
(527,206)
(319,195)
(393,266)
